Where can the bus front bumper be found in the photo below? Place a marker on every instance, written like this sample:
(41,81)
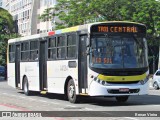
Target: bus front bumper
(97,89)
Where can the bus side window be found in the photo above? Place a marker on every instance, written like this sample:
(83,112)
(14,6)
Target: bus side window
(11,53)
(25,55)
(52,48)
(61,53)
(71,46)
(34,50)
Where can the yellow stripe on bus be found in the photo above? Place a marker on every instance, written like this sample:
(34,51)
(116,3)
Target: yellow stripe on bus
(43,92)
(122,78)
(84,94)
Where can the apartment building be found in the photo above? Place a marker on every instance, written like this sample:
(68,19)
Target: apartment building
(2,3)
(27,12)
(47,25)
(21,12)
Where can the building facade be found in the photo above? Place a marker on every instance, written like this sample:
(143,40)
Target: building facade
(47,25)
(27,12)
(2,3)
(21,12)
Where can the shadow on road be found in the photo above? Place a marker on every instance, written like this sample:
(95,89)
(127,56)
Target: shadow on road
(152,99)
(132,101)
(107,101)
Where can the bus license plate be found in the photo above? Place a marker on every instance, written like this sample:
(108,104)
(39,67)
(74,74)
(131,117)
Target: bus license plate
(124,90)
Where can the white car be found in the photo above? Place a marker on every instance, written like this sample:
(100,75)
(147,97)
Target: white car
(156,80)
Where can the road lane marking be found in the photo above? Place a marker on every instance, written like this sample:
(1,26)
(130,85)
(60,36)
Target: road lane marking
(13,95)
(70,106)
(14,107)
(32,99)
(43,101)
(88,109)
(156,105)
(55,103)
(22,97)
(131,118)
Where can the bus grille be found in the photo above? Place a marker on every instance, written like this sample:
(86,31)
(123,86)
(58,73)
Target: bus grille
(115,91)
(128,82)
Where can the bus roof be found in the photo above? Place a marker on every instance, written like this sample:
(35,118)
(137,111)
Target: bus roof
(87,26)
(66,30)
(28,37)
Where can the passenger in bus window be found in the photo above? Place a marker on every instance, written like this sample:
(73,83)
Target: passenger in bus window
(53,54)
(59,52)
(117,55)
(36,57)
(93,58)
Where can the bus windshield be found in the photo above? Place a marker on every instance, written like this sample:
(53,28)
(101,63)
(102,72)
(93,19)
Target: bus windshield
(119,51)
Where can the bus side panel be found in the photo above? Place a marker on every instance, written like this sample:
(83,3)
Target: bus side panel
(31,71)
(144,89)
(57,73)
(11,74)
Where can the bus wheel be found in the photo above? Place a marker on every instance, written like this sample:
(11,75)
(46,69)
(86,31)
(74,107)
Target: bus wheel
(122,98)
(71,92)
(25,86)
(155,85)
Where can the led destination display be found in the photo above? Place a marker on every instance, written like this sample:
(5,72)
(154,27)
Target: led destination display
(118,28)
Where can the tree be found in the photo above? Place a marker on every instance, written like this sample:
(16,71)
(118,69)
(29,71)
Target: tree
(6,22)
(75,12)
(48,14)
(71,13)
(146,12)
(6,32)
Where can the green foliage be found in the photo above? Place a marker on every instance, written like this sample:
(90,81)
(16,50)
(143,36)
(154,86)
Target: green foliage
(3,46)
(48,14)
(6,32)
(6,21)
(75,12)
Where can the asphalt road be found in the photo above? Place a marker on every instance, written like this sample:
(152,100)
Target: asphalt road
(14,100)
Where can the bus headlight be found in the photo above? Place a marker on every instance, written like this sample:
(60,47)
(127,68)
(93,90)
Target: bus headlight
(102,82)
(142,82)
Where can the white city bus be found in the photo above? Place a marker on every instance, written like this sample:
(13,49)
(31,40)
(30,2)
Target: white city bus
(98,59)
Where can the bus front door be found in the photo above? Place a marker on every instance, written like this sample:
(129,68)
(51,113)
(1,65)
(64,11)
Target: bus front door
(43,65)
(82,65)
(17,66)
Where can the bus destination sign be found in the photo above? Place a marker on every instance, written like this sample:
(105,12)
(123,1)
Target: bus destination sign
(118,28)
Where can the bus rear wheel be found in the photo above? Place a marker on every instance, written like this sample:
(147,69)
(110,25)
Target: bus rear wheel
(26,87)
(122,98)
(71,92)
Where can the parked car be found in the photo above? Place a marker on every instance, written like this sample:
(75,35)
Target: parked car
(2,71)
(156,80)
